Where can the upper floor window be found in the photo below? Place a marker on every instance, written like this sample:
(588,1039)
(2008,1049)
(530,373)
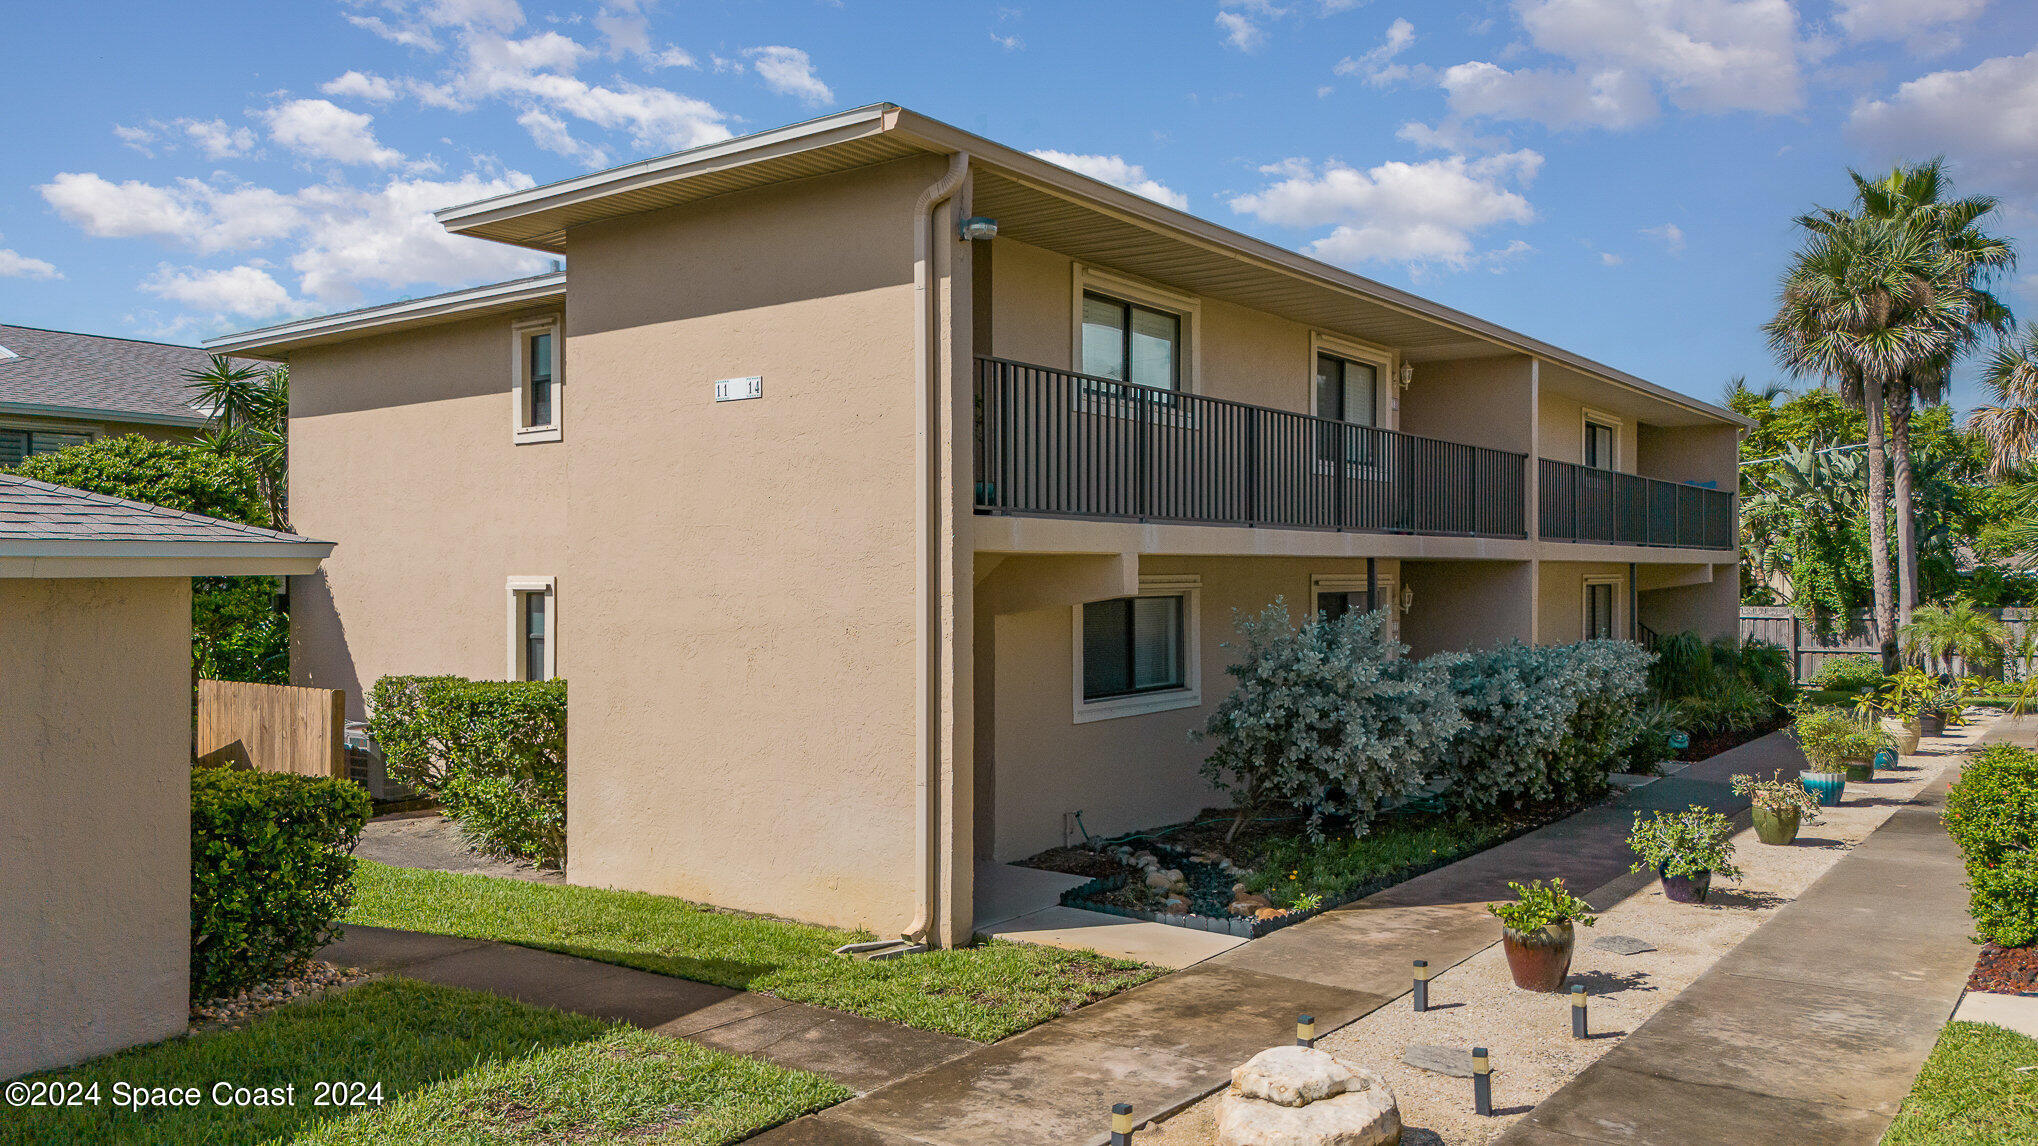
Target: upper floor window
(1346,391)
(1599,445)
(1128,342)
(536,366)
(18,444)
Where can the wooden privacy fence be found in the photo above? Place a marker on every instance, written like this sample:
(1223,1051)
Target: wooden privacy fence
(272,727)
(1810,650)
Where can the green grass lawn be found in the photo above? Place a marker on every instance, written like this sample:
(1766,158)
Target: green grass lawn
(984,992)
(1970,1092)
(453,1066)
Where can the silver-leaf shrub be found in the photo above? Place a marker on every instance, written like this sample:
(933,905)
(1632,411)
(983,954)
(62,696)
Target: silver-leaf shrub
(1542,722)
(1329,719)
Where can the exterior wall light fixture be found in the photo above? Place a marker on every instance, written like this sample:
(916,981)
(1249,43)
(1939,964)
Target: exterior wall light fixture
(1407,598)
(1407,375)
(977,229)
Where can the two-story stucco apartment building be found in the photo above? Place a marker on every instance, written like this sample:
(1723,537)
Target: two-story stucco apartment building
(886,493)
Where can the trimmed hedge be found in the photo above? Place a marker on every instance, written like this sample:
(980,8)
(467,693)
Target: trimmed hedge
(492,752)
(272,870)
(1992,813)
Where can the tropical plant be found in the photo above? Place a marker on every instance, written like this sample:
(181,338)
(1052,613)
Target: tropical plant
(1865,300)
(1955,629)
(1538,905)
(1778,795)
(1918,198)
(2010,424)
(1329,719)
(250,419)
(1685,843)
(1850,674)
(1829,737)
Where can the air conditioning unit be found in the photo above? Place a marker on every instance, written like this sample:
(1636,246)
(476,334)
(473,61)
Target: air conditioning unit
(365,767)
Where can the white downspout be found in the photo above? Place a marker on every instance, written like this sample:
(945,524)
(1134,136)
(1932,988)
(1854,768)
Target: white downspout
(927,378)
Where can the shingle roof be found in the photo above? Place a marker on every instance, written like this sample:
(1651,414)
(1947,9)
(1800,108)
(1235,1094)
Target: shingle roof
(38,511)
(96,373)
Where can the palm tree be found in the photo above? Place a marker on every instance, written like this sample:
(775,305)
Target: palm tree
(1864,300)
(250,415)
(2010,424)
(1956,629)
(1916,197)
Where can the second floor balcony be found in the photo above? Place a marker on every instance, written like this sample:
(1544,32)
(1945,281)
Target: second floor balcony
(1055,443)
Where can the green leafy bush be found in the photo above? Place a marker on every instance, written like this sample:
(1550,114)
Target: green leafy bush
(1829,737)
(1724,686)
(492,752)
(1328,719)
(1541,722)
(1778,795)
(1538,905)
(1685,843)
(272,868)
(1992,814)
(1850,674)
(1654,721)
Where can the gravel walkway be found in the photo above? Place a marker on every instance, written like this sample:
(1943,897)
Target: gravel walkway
(1528,1035)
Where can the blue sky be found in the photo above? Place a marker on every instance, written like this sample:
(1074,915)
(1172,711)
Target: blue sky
(1614,176)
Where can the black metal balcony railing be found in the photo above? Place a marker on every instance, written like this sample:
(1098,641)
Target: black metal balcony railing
(1055,443)
(1580,503)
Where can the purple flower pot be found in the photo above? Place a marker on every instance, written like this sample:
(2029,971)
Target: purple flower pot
(1686,888)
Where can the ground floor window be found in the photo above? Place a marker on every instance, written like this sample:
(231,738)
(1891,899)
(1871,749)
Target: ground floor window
(533,624)
(1336,595)
(1599,606)
(18,444)
(1137,654)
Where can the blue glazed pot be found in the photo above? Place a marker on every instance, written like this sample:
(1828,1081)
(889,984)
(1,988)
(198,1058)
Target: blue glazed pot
(1825,787)
(1885,758)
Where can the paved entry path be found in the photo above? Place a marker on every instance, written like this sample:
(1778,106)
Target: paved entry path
(859,1053)
(1168,1043)
(1812,1030)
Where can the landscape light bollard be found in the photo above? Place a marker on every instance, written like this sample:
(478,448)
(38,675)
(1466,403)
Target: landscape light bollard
(1121,1124)
(1305,1031)
(1421,985)
(1482,1082)
(1578,1011)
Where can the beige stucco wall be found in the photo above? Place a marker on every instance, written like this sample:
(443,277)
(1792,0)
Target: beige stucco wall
(1132,771)
(401,451)
(1563,431)
(95,756)
(1711,608)
(748,569)
(1560,599)
(1690,453)
(1463,605)
(1478,401)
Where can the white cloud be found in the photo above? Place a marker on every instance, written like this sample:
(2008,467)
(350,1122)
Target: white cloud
(409,36)
(1559,99)
(551,133)
(323,129)
(789,71)
(1609,259)
(386,238)
(1669,234)
(137,136)
(1009,43)
(1984,119)
(1449,135)
(243,291)
(1414,213)
(15,265)
(216,139)
(360,85)
(1925,25)
(1375,65)
(1240,31)
(190,213)
(1116,171)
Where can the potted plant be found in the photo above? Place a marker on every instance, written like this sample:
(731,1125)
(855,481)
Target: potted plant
(1838,748)
(1780,806)
(1687,849)
(1895,707)
(1536,932)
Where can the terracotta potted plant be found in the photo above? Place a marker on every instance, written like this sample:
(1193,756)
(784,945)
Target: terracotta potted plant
(1779,806)
(1536,932)
(1686,849)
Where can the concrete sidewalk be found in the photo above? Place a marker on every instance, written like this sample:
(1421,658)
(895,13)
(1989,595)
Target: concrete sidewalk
(859,1053)
(1168,1043)
(1810,1031)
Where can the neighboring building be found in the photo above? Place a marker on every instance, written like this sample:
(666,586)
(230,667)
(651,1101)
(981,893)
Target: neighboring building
(95,758)
(60,389)
(856,581)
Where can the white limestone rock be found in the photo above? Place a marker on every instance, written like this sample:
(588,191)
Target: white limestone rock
(1297,1096)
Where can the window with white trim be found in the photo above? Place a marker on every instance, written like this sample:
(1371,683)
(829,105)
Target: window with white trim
(1138,654)
(1333,595)
(1601,605)
(1602,440)
(536,363)
(533,628)
(1346,391)
(1129,342)
(18,444)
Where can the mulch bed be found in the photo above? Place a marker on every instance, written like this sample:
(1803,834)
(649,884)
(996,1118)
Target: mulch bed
(315,978)
(1710,744)
(2005,970)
